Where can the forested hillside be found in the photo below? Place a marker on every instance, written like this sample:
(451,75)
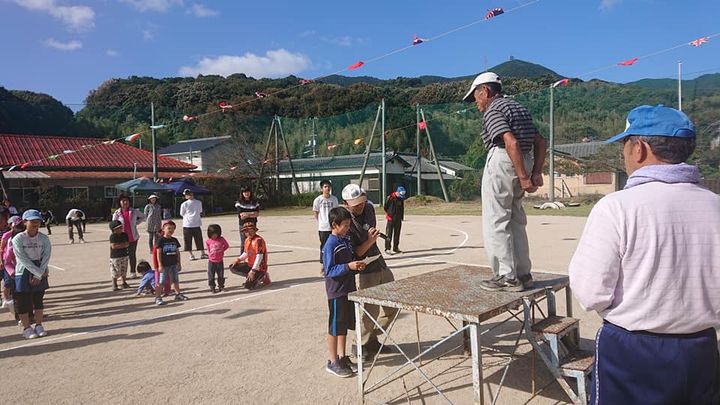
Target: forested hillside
(345,109)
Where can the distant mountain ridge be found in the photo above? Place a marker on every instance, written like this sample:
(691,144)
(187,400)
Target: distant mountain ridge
(708,82)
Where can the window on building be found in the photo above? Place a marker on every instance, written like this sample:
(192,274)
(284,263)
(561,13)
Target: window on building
(598,178)
(80,193)
(111,192)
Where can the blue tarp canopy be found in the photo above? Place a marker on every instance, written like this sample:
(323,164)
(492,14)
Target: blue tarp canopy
(143,185)
(179,186)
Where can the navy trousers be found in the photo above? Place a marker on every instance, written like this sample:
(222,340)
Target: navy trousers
(654,369)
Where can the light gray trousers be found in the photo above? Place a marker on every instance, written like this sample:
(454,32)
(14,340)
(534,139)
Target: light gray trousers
(503,216)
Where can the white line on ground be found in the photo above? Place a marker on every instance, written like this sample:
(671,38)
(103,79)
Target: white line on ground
(41,341)
(56,267)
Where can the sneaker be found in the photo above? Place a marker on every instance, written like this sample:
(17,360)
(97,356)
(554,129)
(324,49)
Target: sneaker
(527,281)
(220,289)
(139,294)
(40,331)
(348,364)
(502,283)
(10,305)
(180,297)
(134,275)
(397,251)
(192,257)
(71,241)
(29,333)
(213,290)
(82,241)
(4,304)
(125,285)
(337,368)
(266,280)
(159,301)
(203,256)
(116,288)
(389,252)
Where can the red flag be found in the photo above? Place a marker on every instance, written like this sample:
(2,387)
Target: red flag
(260,94)
(494,13)
(24,165)
(132,138)
(628,62)
(188,118)
(561,82)
(332,146)
(700,41)
(224,106)
(305,81)
(422,125)
(356,65)
(417,40)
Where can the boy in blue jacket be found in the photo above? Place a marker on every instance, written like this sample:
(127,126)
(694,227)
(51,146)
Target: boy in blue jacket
(340,272)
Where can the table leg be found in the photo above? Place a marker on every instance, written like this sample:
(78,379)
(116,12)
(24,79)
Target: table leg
(478,397)
(568,302)
(358,341)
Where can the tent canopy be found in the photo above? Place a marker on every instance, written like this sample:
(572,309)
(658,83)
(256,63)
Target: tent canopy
(179,186)
(142,185)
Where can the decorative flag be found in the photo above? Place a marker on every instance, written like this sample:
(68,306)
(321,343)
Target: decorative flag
(132,138)
(220,170)
(188,118)
(358,141)
(700,41)
(69,151)
(224,106)
(107,142)
(24,165)
(52,157)
(260,94)
(494,13)
(266,161)
(12,168)
(157,126)
(561,82)
(417,40)
(422,125)
(233,168)
(356,65)
(332,146)
(305,81)
(628,62)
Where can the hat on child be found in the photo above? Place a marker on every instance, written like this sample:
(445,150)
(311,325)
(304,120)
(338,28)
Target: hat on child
(400,191)
(14,220)
(152,196)
(187,191)
(115,224)
(248,225)
(31,215)
(658,120)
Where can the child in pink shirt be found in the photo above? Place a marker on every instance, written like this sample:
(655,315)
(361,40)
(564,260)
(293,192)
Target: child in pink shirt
(8,261)
(216,246)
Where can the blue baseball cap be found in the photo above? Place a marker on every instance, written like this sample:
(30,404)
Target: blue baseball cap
(32,215)
(659,120)
(401,191)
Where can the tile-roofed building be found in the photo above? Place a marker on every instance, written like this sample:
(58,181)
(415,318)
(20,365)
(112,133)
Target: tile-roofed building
(58,170)
(208,154)
(579,150)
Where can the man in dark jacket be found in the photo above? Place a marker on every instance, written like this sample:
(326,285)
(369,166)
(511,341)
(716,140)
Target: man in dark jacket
(394,213)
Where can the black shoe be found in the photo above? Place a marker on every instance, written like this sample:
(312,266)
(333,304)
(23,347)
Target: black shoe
(213,290)
(527,281)
(125,285)
(502,283)
(348,364)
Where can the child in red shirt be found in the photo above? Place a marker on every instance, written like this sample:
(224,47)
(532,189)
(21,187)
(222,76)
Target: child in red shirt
(253,262)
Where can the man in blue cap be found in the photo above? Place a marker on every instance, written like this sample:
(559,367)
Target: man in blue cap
(394,214)
(648,263)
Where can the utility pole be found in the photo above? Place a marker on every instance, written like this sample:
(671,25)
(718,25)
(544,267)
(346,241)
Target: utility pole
(551,185)
(435,158)
(679,85)
(417,144)
(314,138)
(154,152)
(384,172)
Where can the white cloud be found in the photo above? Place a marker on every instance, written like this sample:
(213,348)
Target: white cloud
(63,46)
(149,32)
(343,40)
(607,5)
(76,18)
(275,63)
(200,10)
(153,5)
(112,53)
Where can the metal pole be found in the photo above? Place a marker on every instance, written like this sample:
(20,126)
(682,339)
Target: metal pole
(417,142)
(367,150)
(277,158)
(154,152)
(287,151)
(680,85)
(384,158)
(265,156)
(314,138)
(435,158)
(551,183)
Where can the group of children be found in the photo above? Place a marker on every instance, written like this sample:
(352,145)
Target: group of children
(167,264)
(24,256)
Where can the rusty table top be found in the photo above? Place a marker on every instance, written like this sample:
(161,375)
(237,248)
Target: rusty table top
(455,293)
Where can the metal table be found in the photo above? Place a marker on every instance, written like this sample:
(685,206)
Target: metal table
(452,293)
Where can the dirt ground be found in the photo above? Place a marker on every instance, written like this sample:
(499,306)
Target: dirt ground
(264,346)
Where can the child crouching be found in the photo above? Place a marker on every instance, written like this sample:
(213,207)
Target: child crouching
(253,262)
(147,283)
(339,269)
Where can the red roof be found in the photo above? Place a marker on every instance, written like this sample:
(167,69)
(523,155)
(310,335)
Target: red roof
(87,154)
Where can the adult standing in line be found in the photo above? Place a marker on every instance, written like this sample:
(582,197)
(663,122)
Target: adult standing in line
(510,171)
(11,208)
(648,262)
(153,216)
(75,218)
(130,218)
(321,210)
(190,212)
(363,236)
(394,214)
(248,210)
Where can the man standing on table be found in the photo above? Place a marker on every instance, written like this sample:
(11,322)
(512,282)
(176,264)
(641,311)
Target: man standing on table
(649,263)
(363,237)
(510,171)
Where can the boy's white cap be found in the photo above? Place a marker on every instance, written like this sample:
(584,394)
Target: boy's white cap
(482,78)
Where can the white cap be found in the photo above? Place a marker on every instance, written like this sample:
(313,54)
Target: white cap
(353,195)
(482,78)
(152,196)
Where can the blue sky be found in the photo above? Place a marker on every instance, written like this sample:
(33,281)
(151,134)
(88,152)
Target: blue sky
(67,48)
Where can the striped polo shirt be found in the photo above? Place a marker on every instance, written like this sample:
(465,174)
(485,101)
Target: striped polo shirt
(503,115)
